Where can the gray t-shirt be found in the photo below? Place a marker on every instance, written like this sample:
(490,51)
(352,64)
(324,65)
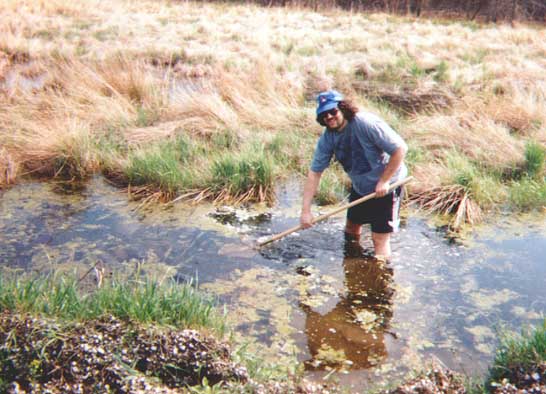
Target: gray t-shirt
(363,148)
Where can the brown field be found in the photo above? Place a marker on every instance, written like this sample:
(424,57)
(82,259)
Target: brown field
(74,75)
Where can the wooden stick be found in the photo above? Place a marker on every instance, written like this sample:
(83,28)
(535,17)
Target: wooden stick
(337,210)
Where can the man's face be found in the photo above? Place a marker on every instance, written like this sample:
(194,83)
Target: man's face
(333,119)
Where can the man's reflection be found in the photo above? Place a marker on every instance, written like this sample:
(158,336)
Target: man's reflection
(352,333)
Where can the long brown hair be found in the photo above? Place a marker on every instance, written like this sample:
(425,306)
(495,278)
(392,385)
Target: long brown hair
(348,108)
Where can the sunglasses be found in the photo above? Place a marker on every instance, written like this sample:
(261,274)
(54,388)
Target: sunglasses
(331,112)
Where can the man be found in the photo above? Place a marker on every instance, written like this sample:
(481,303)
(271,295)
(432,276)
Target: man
(372,154)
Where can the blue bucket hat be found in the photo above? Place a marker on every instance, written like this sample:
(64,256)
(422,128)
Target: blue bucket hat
(328,100)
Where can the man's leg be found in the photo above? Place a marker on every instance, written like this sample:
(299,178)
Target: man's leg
(382,244)
(353,229)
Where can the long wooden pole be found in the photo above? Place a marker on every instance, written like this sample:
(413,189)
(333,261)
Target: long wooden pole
(333,212)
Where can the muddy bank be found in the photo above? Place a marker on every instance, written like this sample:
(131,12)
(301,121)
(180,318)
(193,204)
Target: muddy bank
(40,355)
(111,355)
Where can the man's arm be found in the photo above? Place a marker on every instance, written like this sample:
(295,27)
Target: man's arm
(395,161)
(309,190)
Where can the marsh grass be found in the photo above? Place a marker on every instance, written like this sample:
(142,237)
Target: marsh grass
(469,189)
(142,299)
(243,176)
(535,160)
(291,151)
(196,168)
(146,70)
(527,194)
(160,165)
(518,353)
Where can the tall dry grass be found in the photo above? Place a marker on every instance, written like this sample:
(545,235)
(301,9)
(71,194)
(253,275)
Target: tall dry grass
(134,73)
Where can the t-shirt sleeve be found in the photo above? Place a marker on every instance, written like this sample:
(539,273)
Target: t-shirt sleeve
(384,137)
(323,154)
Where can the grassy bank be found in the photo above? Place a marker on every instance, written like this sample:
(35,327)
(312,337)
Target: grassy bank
(520,358)
(143,300)
(62,333)
(171,101)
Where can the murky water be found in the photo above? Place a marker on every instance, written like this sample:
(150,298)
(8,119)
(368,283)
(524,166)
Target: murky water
(344,315)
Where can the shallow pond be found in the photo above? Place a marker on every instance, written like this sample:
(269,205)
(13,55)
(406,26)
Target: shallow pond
(342,314)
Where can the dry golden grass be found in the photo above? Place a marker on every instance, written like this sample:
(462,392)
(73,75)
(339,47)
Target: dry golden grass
(478,137)
(145,70)
(8,168)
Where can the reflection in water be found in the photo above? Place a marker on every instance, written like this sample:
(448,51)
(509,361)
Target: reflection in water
(351,335)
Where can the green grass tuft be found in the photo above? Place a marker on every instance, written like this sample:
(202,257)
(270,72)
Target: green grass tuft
(518,352)
(535,160)
(484,186)
(143,300)
(527,194)
(248,175)
(162,165)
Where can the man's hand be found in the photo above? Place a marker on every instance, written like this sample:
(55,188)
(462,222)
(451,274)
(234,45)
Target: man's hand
(381,189)
(306,219)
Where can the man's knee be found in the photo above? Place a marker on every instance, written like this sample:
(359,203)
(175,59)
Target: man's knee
(381,237)
(353,228)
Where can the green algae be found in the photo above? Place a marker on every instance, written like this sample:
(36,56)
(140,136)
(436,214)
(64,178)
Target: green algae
(484,338)
(521,312)
(487,300)
(330,356)
(368,320)
(257,294)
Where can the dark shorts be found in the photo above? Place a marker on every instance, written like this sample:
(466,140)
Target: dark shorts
(382,213)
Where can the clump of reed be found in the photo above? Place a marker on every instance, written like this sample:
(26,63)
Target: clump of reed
(242,177)
(466,189)
(450,200)
(164,167)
